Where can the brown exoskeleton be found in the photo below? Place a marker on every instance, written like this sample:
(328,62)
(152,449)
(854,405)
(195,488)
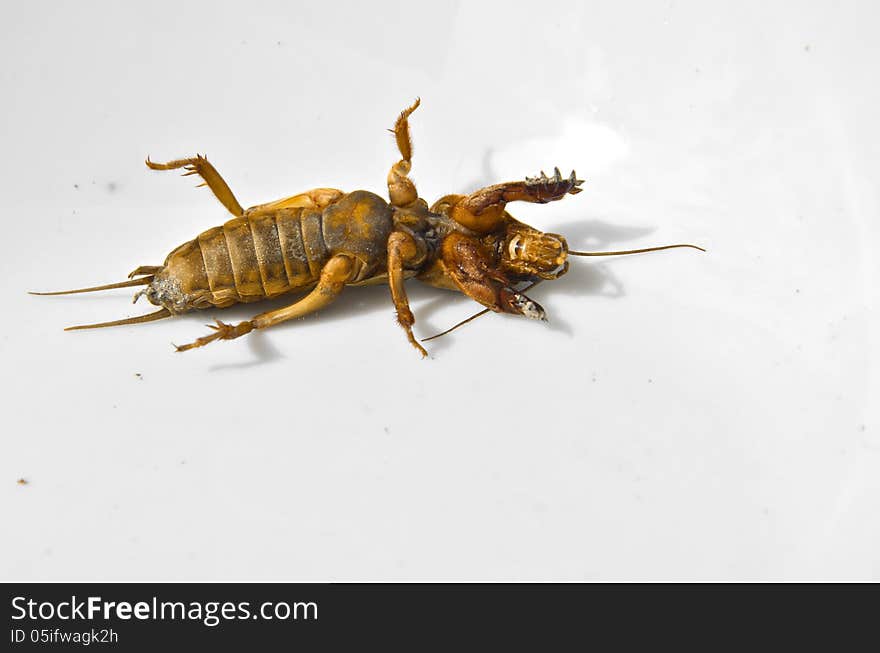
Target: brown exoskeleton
(323,240)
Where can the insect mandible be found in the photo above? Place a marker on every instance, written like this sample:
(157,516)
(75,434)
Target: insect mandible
(322,240)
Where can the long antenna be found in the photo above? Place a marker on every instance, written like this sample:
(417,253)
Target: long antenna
(462,323)
(632,251)
(475,315)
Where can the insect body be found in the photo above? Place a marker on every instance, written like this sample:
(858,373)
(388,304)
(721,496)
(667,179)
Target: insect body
(322,240)
(272,251)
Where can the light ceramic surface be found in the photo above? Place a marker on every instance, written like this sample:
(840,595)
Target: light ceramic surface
(684,416)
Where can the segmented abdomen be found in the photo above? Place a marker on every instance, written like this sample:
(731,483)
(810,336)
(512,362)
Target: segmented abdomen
(266,253)
(251,258)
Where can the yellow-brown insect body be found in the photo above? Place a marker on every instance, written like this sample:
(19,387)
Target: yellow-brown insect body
(323,240)
(270,251)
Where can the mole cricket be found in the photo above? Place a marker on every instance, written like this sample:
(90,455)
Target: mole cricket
(320,241)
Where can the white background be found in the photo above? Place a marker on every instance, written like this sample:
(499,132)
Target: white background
(684,416)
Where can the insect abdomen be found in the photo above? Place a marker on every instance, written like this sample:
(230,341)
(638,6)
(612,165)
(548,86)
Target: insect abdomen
(245,259)
(250,258)
(268,253)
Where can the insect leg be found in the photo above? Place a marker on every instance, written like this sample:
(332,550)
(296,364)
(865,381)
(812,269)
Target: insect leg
(402,249)
(199,165)
(483,210)
(401,189)
(336,272)
(472,270)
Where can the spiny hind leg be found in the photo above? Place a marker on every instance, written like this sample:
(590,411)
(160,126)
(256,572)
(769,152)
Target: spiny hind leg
(337,271)
(401,189)
(199,165)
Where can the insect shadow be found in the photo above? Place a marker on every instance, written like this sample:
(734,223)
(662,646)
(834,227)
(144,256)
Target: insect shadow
(353,301)
(592,277)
